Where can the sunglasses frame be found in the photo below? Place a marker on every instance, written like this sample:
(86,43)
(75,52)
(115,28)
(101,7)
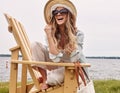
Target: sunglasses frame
(62,11)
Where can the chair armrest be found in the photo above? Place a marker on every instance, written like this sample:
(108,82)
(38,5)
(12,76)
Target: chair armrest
(67,64)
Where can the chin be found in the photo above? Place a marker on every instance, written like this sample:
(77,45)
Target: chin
(60,23)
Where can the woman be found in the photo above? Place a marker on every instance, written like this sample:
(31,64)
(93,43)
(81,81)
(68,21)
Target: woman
(63,38)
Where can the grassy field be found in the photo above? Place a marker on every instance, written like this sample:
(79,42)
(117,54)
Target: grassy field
(4,87)
(101,86)
(107,86)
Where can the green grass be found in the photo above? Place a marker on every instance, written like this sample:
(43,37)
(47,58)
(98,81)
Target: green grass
(4,90)
(107,86)
(4,87)
(101,86)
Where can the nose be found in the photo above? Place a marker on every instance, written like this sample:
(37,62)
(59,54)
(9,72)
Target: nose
(58,13)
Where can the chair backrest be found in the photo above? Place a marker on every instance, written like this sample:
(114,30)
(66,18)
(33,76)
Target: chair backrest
(19,33)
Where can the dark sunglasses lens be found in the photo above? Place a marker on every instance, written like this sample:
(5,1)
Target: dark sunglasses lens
(63,11)
(55,12)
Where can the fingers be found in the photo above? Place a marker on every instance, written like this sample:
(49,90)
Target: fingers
(48,27)
(69,50)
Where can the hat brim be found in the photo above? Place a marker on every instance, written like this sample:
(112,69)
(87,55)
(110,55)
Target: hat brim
(50,3)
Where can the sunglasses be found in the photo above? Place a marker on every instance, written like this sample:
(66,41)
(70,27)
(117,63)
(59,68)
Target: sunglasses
(62,11)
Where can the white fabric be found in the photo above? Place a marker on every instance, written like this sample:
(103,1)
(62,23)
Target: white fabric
(55,58)
(55,77)
(89,88)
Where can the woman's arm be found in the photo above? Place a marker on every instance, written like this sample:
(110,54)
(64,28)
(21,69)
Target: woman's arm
(52,47)
(54,54)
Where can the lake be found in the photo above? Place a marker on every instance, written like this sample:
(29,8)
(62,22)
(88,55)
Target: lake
(100,69)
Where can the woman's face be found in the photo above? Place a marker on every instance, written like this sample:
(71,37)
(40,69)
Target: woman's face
(60,15)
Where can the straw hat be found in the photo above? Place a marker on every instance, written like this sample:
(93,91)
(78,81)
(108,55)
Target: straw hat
(53,4)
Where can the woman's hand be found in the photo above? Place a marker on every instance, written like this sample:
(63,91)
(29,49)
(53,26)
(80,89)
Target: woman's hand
(68,50)
(51,44)
(48,30)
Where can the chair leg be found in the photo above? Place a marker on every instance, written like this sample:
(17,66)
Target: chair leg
(70,83)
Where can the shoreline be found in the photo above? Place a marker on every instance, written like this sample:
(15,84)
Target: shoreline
(91,57)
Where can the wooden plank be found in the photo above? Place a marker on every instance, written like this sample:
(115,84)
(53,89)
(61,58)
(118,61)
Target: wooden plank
(70,82)
(24,66)
(18,37)
(49,63)
(26,37)
(25,48)
(56,90)
(24,78)
(15,48)
(13,73)
(7,17)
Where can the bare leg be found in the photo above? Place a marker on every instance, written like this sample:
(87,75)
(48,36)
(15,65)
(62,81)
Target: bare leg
(44,76)
(40,53)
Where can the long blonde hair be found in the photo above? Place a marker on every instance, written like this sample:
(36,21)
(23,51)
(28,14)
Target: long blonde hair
(70,31)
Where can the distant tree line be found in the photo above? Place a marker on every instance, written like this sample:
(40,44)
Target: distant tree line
(7,55)
(92,57)
(103,57)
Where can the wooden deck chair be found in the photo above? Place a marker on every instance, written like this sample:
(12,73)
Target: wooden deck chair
(23,45)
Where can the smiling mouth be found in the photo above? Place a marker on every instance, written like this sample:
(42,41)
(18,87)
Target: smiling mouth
(60,19)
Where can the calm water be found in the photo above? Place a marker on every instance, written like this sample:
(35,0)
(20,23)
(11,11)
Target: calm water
(100,69)
(104,68)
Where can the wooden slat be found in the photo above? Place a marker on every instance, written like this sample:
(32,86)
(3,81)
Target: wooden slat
(25,48)
(49,63)
(15,48)
(16,32)
(26,37)
(23,78)
(70,82)
(24,67)
(19,39)
(56,90)
(13,73)
(7,17)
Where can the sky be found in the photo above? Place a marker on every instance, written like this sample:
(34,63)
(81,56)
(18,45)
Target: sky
(98,19)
